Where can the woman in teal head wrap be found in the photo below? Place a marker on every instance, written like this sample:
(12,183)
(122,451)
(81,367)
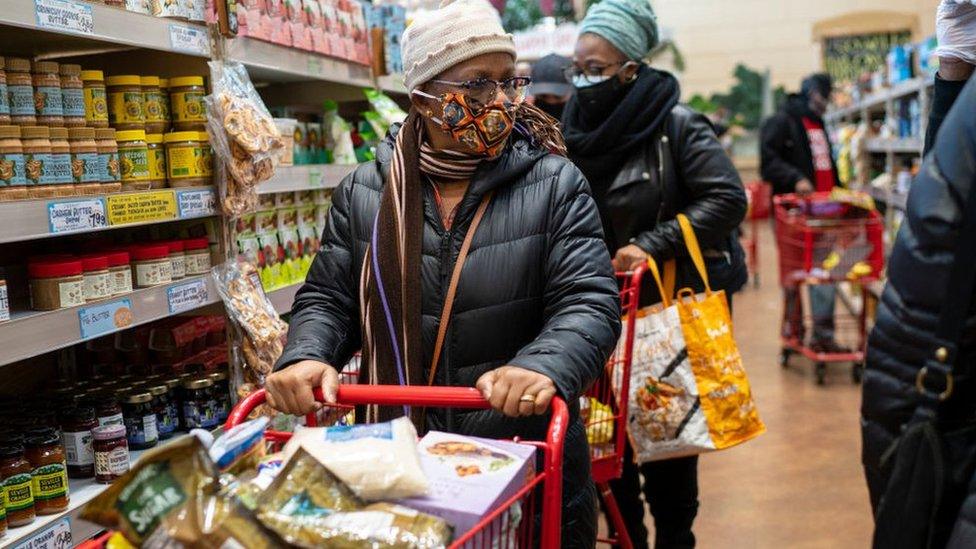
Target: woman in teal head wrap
(647,158)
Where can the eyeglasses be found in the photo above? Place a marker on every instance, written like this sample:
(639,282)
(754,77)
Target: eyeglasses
(482,92)
(592,74)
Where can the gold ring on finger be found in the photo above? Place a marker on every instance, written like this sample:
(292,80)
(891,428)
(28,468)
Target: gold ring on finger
(527,398)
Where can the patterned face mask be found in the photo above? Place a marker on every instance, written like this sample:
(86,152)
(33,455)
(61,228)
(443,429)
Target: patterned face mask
(483,131)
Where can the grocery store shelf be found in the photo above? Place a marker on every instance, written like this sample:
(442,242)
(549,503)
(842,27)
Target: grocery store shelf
(32,219)
(392,83)
(32,333)
(109,26)
(275,63)
(901,145)
(879,98)
(303,178)
(283,298)
(892,198)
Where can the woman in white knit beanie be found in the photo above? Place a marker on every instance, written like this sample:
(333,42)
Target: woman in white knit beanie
(469,253)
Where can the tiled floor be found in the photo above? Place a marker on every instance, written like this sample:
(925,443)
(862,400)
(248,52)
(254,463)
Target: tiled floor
(800,484)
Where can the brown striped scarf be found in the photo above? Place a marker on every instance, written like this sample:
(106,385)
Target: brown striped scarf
(390,291)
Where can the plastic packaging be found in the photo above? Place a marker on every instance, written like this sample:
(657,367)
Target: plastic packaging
(241,447)
(338,136)
(377,461)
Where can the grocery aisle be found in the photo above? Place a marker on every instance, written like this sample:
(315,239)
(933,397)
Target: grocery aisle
(800,484)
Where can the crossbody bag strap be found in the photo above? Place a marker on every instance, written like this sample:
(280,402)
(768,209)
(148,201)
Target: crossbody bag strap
(452,286)
(934,381)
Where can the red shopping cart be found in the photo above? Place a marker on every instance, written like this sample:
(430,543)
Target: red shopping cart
(497,529)
(826,245)
(760,197)
(606,410)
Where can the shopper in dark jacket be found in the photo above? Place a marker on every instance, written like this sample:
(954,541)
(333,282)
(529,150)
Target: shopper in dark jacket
(536,311)
(648,159)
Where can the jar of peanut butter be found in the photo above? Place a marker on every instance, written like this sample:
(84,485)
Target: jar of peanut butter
(126,104)
(47,94)
(13,179)
(72,96)
(153,98)
(96,103)
(20,90)
(59,168)
(4,99)
(84,161)
(109,169)
(37,158)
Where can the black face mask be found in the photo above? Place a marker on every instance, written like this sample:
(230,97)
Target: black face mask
(598,101)
(554,110)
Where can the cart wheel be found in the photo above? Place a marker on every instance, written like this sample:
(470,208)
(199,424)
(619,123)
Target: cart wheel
(821,373)
(784,358)
(857,372)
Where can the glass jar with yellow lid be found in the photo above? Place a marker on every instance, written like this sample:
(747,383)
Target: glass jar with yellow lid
(134,159)
(186,160)
(186,101)
(153,99)
(126,104)
(96,104)
(157,160)
(167,114)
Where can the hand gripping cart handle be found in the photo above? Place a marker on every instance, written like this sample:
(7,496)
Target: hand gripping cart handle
(491,531)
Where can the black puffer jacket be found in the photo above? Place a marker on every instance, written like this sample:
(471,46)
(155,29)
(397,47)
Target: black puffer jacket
(918,272)
(681,169)
(785,148)
(537,291)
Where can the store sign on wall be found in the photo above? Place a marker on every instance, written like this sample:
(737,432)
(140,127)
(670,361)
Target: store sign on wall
(105,318)
(56,536)
(76,215)
(187,296)
(196,203)
(189,39)
(147,207)
(64,16)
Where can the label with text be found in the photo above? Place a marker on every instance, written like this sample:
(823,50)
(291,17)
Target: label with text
(64,16)
(105,318)
(189,39)
(146,207)
(187,296)
(76,215)
(55,536)
(196,203)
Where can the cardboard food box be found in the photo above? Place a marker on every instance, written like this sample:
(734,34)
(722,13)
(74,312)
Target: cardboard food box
(469,477)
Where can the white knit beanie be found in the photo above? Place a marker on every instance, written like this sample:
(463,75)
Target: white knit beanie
(455,32)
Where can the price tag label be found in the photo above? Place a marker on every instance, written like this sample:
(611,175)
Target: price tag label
(64,16)
(196,203)
(189,39)
(187,296)
(76,215)
(315,179)
(146,207)
(55,536)
(105,318)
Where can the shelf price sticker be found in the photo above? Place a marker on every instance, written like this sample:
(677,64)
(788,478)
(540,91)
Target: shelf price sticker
(316,180)
(76,215)
(105,318)
(189,39)
(55,536)
(64,16)
(187,296)
(146,207)
(199,203)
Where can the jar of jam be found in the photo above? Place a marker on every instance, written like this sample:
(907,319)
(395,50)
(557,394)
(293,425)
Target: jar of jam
(13,174)
(108,411)
(49,482)
(175,403)
(96,103)
(111,453)
(198,404)
(72,95)
(37,156)
(20,91)
(140,420)
(15,475)
(221,391)
(58,171)
(157,160)
(186,95)
(84,160)
(134,159)
(153,99)
(76,426)
(109,170)
(126,104)
(48,101)
(161,403)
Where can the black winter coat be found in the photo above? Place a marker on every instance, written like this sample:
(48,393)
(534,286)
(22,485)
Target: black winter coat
(785,156)
(681,169)
(918,273)
(537,291)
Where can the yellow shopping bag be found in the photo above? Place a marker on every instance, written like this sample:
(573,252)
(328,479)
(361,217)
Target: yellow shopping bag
(689,392)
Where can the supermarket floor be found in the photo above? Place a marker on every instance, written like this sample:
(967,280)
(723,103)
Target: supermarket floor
(800,484)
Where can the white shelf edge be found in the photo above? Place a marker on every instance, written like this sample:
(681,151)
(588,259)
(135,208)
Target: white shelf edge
(877,98)
(30,334)
(111,25)
(901,145)
(305,177)
(280,63)
(28,219)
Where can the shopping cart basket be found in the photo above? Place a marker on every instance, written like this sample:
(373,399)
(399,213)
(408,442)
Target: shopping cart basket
(760,198)
(498,529)
(825,243)
(605,410)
